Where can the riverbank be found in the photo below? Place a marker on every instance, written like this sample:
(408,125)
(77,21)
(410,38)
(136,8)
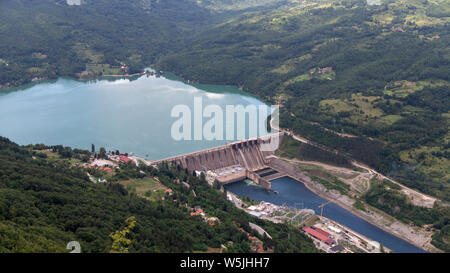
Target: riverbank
(414,236)
(340,238)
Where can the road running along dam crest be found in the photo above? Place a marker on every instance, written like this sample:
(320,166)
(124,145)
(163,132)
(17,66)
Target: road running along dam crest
(232,162)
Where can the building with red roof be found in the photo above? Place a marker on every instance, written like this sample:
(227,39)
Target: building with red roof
(318,235)
(260,249)
(124,159)
(323,232)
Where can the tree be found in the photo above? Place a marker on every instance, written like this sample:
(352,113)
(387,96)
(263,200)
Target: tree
(217,185)
(382,248)
(120,240)
(102,153)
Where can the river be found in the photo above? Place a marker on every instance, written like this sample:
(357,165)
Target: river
(295,194)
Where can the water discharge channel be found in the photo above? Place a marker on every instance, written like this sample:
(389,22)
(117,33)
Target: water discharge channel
(295,194)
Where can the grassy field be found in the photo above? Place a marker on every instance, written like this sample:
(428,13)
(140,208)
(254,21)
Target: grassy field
(103,69)
(86,53)
(332,184)
(54,157)
(306,77)
(289,65)
(148,187)
(427,13)
(402,89)
(435,166)
(360,106)
(361,109)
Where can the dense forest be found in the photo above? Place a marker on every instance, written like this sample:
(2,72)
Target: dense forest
(371,81)
(290,148)
(48,39)
(387,197)
(341,69)
(383,195)
(46,204)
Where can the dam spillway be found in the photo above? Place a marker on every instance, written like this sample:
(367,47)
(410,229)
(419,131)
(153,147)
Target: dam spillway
(245,153)
(229,163)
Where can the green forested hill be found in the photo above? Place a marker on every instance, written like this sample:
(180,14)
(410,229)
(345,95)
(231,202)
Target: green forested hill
(45,204)
(369,80)
(230,5)
(378,72)
(48,38)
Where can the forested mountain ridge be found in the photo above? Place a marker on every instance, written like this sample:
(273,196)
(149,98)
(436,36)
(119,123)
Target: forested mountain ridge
(233,5)
(85,39)
(45,204)
(378,74)
(47,39)
(369,80)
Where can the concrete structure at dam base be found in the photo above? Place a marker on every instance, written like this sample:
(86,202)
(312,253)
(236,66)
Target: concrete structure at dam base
(233,162)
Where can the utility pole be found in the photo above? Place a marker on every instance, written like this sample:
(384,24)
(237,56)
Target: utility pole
(321,207)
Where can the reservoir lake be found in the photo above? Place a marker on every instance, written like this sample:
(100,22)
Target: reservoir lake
(135,116)
(132,116)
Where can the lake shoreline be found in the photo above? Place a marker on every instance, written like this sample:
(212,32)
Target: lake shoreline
(128,109)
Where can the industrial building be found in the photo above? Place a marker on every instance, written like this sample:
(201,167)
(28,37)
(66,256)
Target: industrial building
(319,235)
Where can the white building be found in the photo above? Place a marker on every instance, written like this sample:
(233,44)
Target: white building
(334,229)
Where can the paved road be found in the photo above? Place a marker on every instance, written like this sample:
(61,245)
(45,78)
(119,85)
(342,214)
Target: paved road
(429,199)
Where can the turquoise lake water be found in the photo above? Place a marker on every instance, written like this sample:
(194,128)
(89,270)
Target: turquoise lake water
(130,116)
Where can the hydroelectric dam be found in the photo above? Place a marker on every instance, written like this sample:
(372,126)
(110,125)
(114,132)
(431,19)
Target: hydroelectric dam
(232,162)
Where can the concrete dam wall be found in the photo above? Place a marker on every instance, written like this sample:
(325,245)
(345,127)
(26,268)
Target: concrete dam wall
(245,153)
(230,163)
